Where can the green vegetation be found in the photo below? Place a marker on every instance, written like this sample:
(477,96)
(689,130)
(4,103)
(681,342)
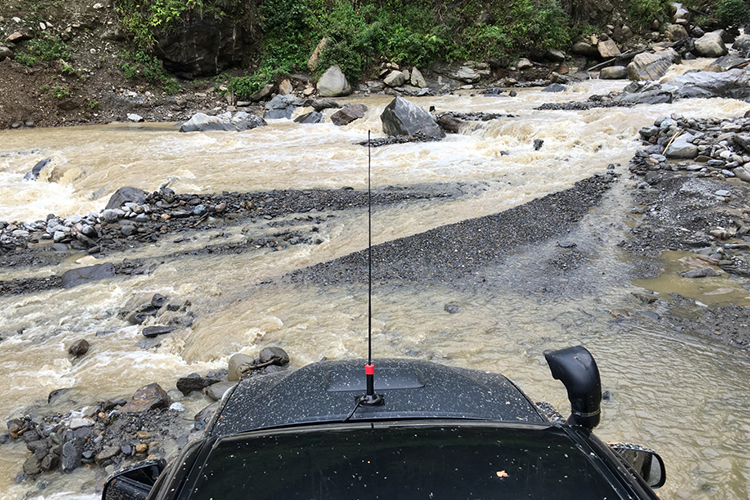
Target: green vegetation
(48,48)
(94,105)
(60,92)
(642,12)
(141,17)
(733,12)
(140,64)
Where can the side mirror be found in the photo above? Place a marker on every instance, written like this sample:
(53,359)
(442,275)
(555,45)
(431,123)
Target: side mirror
(133,483)
(646,463)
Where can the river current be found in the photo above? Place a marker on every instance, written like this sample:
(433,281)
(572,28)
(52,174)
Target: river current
(684,396)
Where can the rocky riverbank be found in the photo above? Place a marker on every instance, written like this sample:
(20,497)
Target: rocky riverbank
(111,434)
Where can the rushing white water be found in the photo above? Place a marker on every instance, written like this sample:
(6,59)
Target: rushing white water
(682,396)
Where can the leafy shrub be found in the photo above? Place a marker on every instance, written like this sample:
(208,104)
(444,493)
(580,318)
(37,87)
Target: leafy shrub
(139,63)
(733,12)
(25,58)
(642,12)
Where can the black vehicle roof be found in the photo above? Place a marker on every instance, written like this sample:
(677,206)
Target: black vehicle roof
(327,392)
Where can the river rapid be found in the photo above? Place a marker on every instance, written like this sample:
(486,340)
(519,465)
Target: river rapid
(682,395)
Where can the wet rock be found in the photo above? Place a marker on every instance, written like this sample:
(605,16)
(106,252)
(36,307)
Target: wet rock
(55,395)
(682,148)
(281,106)
(158,300)
(651,66)
(50,462)
(277,355)
(201,122)
(126,195)
(72,452)
(107,453)
(538,143)
(554,87)
(79,347)
(585,49)
(333,83)
(613,73)
(149,397)
(311,117)
(89,274)
(321,104)
(725,63)
(734,84)
(80,422)
(402,117)
(706,272)
(348,114)
(186,385)
(711,45)
(449,123)
(452,308)
(742,45)
(32,466)
(235,362)
(243,120)
(217,391)
(156,330)
(33,174)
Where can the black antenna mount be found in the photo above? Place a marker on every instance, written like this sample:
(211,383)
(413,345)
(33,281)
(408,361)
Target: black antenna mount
(369,398)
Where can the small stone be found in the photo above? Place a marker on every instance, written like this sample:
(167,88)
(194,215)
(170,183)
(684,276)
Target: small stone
(153,331)
(141,448)
(706,272)
(106,454)
(79,347)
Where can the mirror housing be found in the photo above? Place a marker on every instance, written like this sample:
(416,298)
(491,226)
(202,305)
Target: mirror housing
(645,463)
(135,482)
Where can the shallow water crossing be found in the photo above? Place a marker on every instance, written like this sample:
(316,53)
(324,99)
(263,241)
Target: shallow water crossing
(679,394)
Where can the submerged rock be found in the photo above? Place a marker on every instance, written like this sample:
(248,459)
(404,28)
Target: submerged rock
(33,174)
(82,275)
(348,114)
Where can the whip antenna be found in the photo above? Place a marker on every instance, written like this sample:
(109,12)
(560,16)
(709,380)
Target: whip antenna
(370,398)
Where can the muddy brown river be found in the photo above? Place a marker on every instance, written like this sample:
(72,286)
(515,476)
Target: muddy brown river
(682,395)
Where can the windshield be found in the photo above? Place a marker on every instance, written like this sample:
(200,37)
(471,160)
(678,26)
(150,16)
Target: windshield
(388,461)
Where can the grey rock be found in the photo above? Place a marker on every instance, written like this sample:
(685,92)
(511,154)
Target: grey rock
(33,174)
(333,83)
(112,215)
(79,347)
(5,52)
(321,104)
(734,84)
(613,73)
(275,354)
(706,272)
(417,79)
(742,174)
(217,391)
(134,117)
(156,330)
(126,195)
(585,49)
(246,121)
(651,66)
(682,148)
(311,117)
(727,62)
(470,75)
(107,453)
(348,114)
(50,462)
(395,78)
(281,106)
(402,117)
(88,274)
(129,230)
(201,122)
(711,45)
(235,362)
(742,45)
(608,49)
(71,455)
(32,466)
(554,87)
(149,397)
(186,385)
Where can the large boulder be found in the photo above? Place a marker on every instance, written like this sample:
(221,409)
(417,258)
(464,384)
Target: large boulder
(395,78)
(711,45)
(201,47)
(88,274)
(126,195)
(282,106)
(742,45)
(608,49)
(148,397)
(348,114)
(734,84)
(613,73)
(727,62)
(33,174)
(651,65)
(333,83)
(242,120)
(417,79)
(402,117)
(311,117)
(585,49)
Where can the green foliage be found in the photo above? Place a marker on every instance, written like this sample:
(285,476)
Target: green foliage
(642,12)
(140,64)
(60,92)
(245,86)
(67,69)
(93,105)
(139,18)
(42,49)
(733,12)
